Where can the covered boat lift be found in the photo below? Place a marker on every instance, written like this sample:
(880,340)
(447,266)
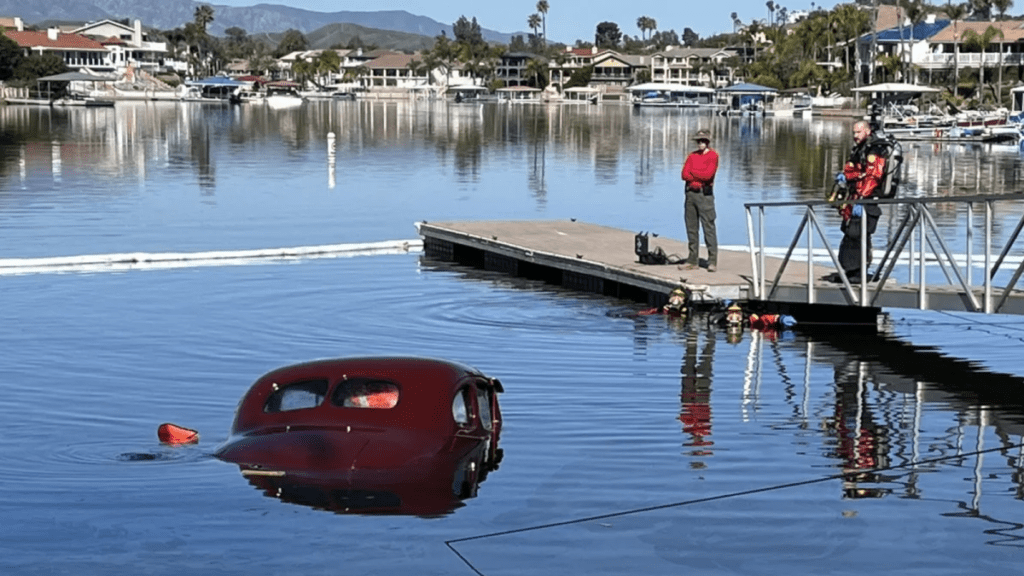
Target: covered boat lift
(746,99)
(212,89)
(661,94)
(57,90)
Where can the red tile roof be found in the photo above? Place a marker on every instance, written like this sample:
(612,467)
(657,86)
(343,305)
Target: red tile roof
(37,39)
(392,61)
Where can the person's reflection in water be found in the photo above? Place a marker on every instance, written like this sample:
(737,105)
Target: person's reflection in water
(695,398)
(862,445)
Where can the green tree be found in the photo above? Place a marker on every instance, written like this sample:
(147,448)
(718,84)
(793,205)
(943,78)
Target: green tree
(37,66)
(325,64)
(891,64)
(10,57)
(690,37)
(445,53)
(303,71)
(537,71)
(661,40)
(291,41)
(980,9)
(851,22)
(980,42)
(176,41)
(262,61)
(467,32)
(517,44)
(608,35)
(238,43)
(580,77)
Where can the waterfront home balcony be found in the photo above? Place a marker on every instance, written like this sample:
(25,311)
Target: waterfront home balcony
(941,61)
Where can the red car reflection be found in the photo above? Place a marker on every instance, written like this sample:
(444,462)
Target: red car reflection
(369,435)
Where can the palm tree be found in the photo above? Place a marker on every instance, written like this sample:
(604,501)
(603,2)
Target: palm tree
(197,36)
(980,9)
(542,9)
(327,63)
(537,69)
(356,73)
(534,22)
(1002,6)
(646,24)
(735,21)
(202,16)
(445,52)
(303,70)
(975,41)
(915,13)
(851,22)
(771,12)
(955,12)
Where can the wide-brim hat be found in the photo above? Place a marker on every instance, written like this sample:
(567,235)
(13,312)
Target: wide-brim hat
(703,135)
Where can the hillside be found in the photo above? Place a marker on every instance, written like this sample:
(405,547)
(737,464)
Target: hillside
(263,18)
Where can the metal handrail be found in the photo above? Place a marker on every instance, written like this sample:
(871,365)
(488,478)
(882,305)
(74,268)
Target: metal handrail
(928,247)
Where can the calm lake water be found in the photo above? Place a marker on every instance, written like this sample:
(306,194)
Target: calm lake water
(633,445)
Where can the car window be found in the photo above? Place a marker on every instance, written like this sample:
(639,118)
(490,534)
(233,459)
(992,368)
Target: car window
(462,407)
(366,393)
(296,396)
(483,400)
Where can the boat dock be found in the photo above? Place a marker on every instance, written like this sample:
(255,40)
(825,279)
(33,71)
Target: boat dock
(600,259)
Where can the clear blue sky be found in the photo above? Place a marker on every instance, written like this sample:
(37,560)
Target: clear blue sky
(567,20)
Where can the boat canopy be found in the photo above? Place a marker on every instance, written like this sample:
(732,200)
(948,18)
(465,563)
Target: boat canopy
(666,87)
(748,88)
(896,88)
(75,77)
(467,88)
(221,81)
(513,89)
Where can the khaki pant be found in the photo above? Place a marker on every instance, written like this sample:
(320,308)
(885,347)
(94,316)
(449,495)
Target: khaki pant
(699,210)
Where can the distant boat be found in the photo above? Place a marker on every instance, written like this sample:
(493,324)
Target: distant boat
(283,94)
(468,94)
(248,96)
(519,95)
(581,95)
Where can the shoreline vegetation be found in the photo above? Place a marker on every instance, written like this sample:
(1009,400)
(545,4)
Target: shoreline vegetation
(823,52)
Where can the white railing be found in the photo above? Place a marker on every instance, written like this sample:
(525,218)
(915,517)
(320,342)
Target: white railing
(916,243)
(971,59)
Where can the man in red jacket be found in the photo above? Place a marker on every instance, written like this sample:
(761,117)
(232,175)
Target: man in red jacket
(699,207)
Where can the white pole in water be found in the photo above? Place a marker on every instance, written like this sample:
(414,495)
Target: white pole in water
(330,160)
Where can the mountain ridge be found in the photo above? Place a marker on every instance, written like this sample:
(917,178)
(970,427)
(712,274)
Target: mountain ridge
(259,19)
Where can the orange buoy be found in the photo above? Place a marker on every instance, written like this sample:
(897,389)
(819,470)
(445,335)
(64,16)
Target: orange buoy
(174,434)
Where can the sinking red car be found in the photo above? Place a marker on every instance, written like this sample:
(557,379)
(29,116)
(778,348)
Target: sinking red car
(369,435)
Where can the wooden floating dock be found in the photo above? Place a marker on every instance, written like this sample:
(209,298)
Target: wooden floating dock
(598,259)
